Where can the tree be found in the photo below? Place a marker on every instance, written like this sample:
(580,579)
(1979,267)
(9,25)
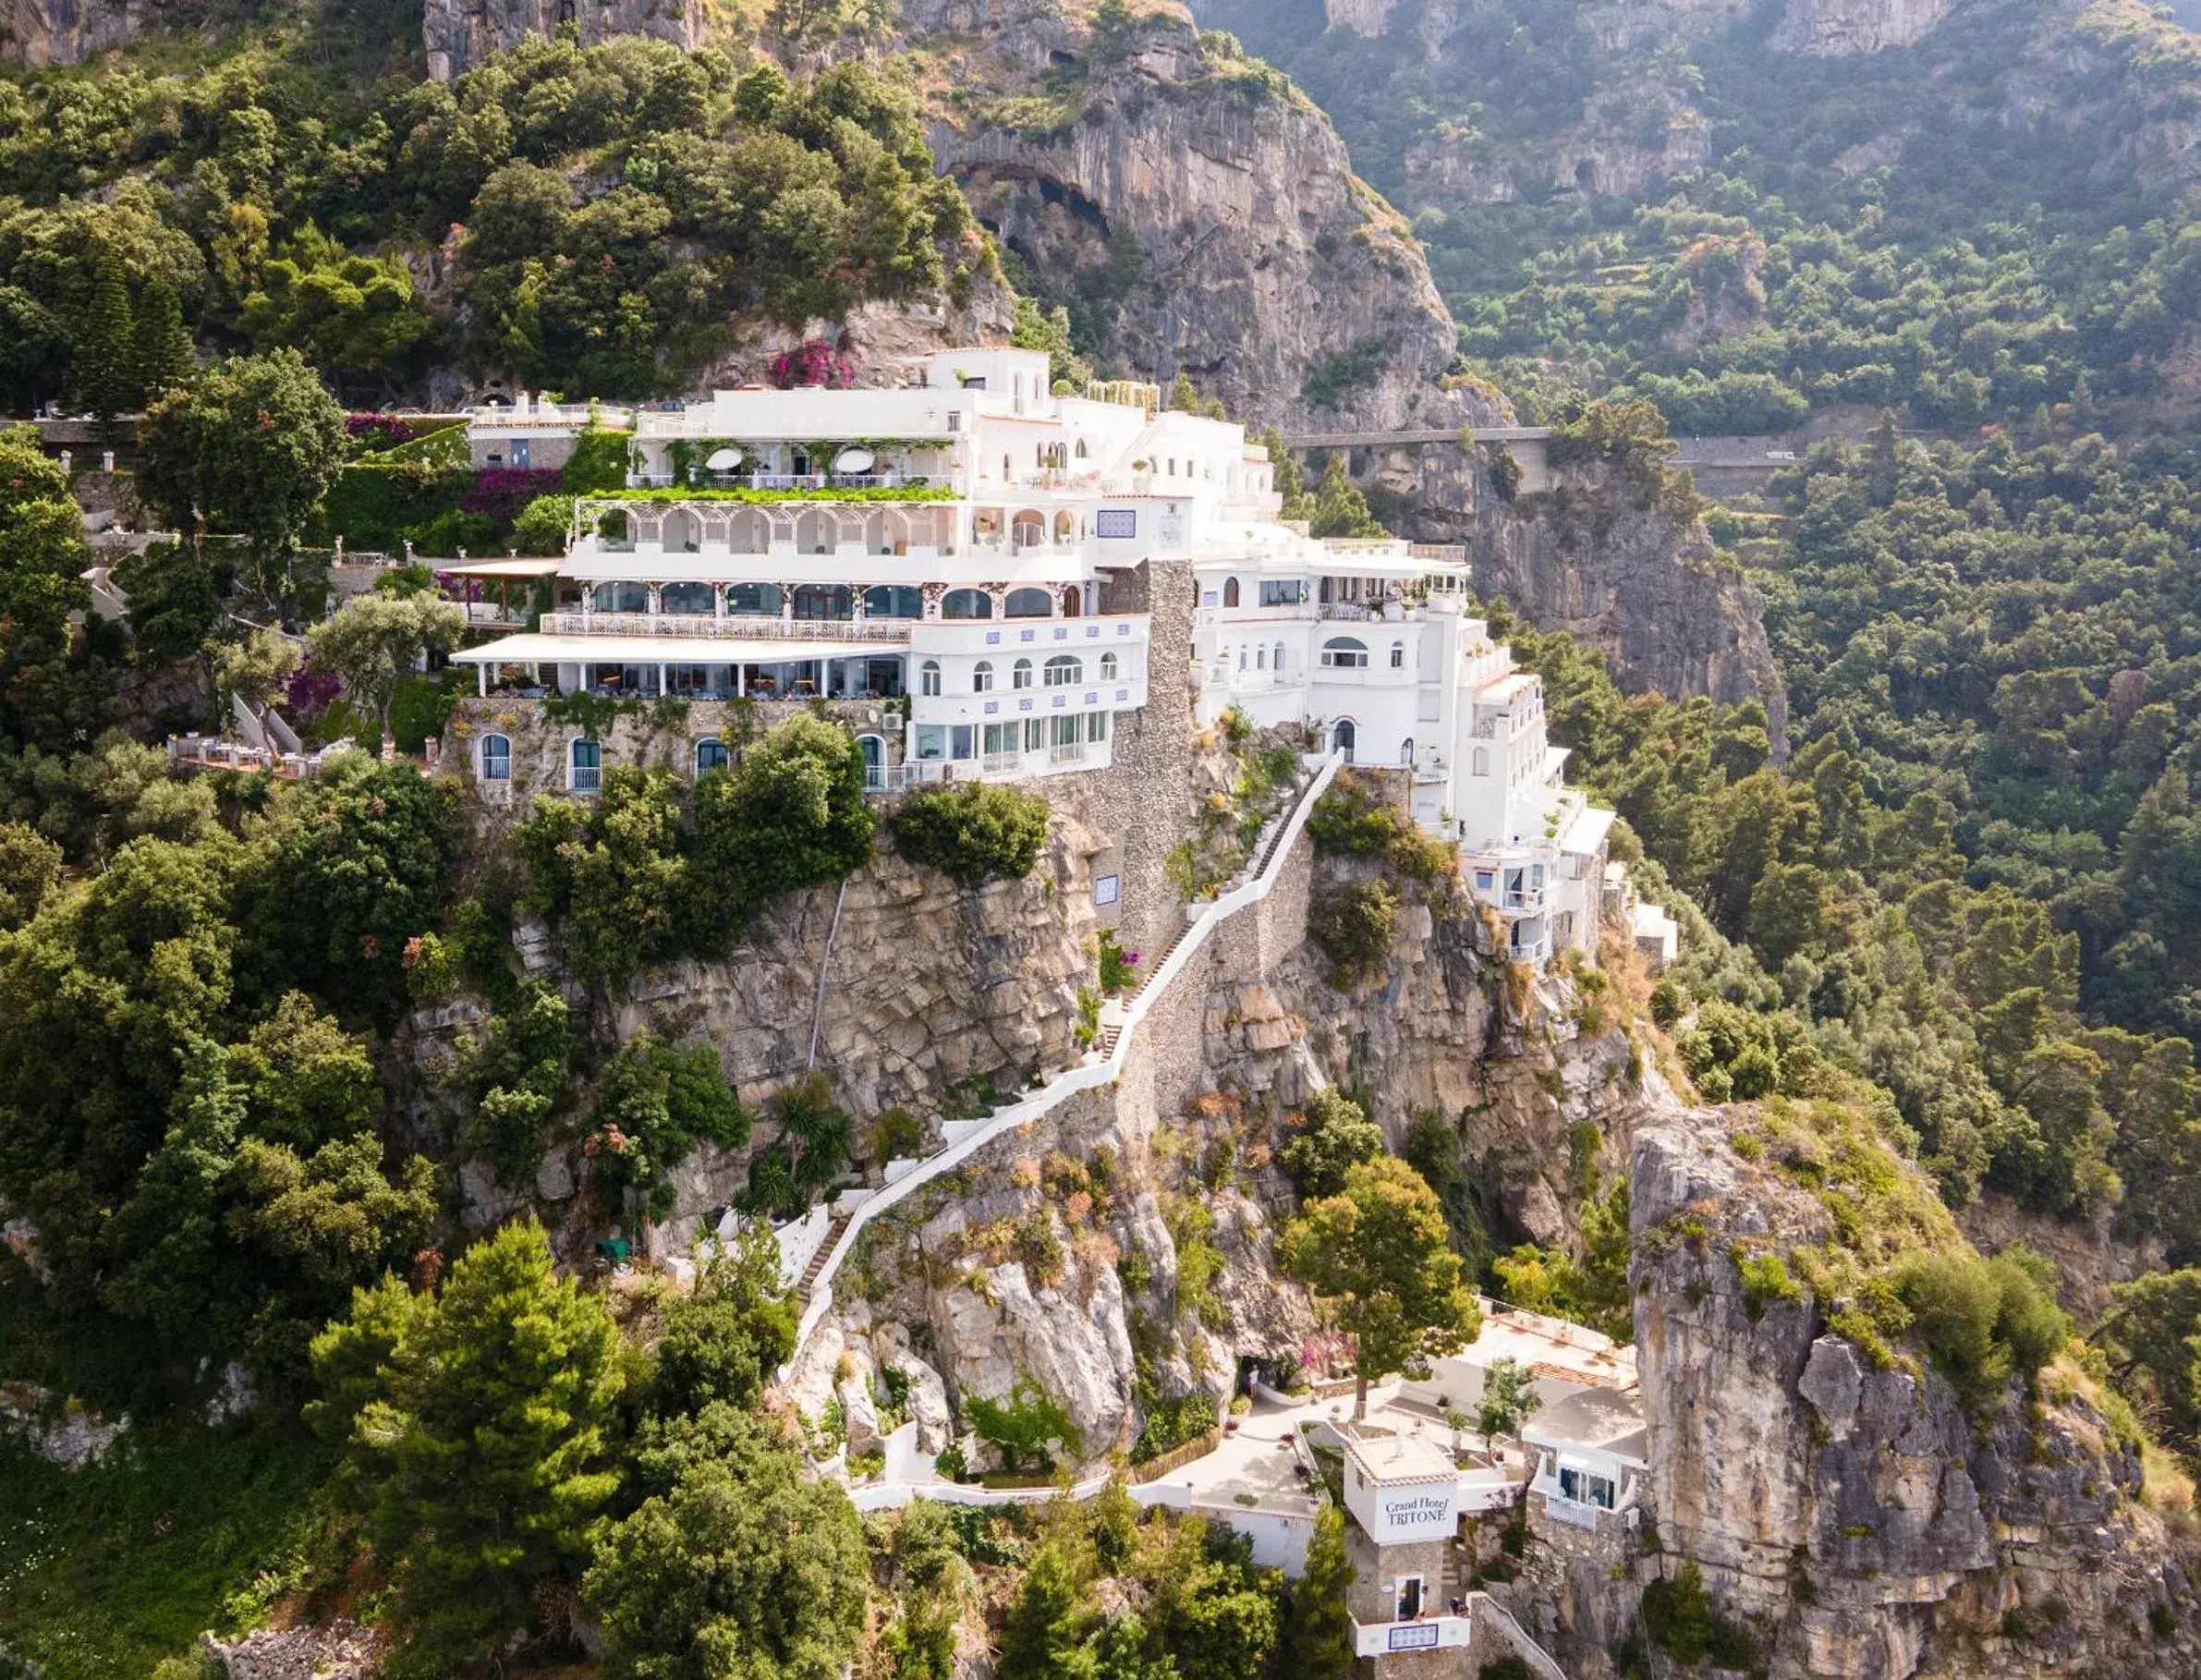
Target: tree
(258,668)
(723,1341)
(174,601)
(1339,509)
(161,349)
(249,446)
(973,831)
(655,1103)
(792,814)
(29,869)
(1319,1638)
(1043,1636)
(483,1447)
(102,359)
(748,1568)
(1381,1253)
(1333,1137)
(1509,1400)
(42,553)
(376,640)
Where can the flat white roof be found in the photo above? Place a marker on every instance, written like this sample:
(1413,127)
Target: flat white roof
(1595,1419)
(500,569)
(1551,1347)
(1588,831)
(1388,1460)
(535,650)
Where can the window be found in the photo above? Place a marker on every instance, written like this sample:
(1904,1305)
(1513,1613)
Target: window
(1406,752)
(1029,603)
(1081,453)
(1409,1605)
(1345,653)
(1277,663)
(623,598)
(1021,675)
(1063,671)
(1482,760)
(817,602)
(1109,667)
(1398,656)
(929,678)
(711,754)
(496,758)
(967,603)
(1035,733)
(1341,738)
(588,768)
(1230,592)
(981,678)
(690,599)
(753,600)
(894,601)
(1286,591)
(1260,659)
(1241,656)
(1098,726)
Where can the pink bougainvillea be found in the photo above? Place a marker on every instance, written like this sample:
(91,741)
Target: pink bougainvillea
(815,362)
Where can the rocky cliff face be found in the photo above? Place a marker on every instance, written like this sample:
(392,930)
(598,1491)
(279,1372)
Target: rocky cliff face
(457,33)
(1841,27)
(1207,213)
(38,32)
(1853,1514)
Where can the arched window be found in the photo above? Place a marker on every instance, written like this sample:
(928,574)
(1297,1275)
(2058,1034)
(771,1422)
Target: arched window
(1482,760)
(967,603)
(1027,604)
(496,758)
(874,750)
(928,677)
(690,599)
(588,768)
(1277,663)
(1241,656)
(1406,752)
(1063,670)
(981,678)
(1345,653)
(1073,601)
(1260,659)
(1081,454)
(753,600)
(623,598)
(1029,529)
(1230,592)
(1398,656)
(1341,738)
(711,754)
(1021,675)
(1109,667)
(894,601)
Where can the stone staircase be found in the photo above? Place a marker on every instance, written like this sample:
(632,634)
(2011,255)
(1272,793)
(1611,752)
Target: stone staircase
(1113,1033)
(809,1282)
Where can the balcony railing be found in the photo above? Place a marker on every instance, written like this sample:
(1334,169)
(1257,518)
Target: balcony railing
(779,481)
(746,627)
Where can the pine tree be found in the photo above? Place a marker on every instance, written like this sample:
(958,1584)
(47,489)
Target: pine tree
(162,343)
(1318,1642)
(1340,510)
(104,359)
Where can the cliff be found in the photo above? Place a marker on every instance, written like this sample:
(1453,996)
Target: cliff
(1195,205)
(1846,1507)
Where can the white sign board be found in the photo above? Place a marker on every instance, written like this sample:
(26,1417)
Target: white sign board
(1394,1514)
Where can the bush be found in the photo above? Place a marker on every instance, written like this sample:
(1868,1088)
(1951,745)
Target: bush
(1765,1283)
(1027,1424)
(598,462)
(1334,1136)
(1171,1423)
(792,814)
(974,832)
(1982,1320)
(1682,1621)
(1354,928)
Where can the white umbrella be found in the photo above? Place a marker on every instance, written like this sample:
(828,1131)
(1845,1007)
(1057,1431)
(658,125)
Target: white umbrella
(855,460)
(724,460)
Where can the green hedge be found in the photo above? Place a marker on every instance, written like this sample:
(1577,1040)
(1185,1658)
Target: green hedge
(875,493)
(372,505)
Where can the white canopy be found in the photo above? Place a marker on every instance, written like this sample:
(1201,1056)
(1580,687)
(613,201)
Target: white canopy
(536,650)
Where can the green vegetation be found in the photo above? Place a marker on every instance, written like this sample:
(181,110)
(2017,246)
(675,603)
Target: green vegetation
(1682,1621)
(654,1103)
(1333,1135)
(1592,1290)
(1318,1633)
(975,831)
(1380,1253)
(1509,1400)
(1026,1425)
(276,194)
(478,1432)
(1984,1321)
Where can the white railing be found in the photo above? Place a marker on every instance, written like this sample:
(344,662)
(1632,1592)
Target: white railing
(749,627)
(1424,1633)
(1493,1615)
(1092,1075)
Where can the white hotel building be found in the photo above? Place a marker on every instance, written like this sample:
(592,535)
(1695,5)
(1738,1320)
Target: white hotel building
(964,543)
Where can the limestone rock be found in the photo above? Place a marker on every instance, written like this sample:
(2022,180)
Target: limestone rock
(1840,28)
(553,1177)
(340,1649)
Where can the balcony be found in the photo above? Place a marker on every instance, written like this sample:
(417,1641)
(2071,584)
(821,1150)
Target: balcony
(1424,1633)
(746,627)
(779,481)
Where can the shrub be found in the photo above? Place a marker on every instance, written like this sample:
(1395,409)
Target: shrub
(1171,1423)
(792,814)
(1334,1136)
(1027,1424)
(974,830)
(598,462)
(655,1103)
(1682,1621)
(1354,928)
(1765,1283)
(1983,1320)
